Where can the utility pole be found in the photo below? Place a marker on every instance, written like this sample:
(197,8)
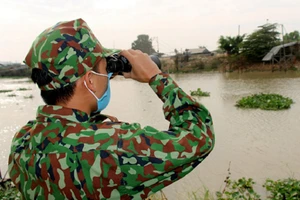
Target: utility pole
(285,67)
(157,43)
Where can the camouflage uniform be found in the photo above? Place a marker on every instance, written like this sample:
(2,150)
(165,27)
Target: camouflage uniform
(66,154)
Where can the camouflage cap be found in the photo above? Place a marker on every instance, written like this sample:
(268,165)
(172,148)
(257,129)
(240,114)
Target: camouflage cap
(66,51)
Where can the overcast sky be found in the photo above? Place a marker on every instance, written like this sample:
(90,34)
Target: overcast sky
(177,24)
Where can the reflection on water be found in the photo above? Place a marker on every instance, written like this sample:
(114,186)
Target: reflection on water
(259,144)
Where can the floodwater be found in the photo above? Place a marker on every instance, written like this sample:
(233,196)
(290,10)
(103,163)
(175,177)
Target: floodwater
(250,143)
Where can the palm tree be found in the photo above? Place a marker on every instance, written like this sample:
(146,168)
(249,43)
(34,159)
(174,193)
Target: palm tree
(231,45)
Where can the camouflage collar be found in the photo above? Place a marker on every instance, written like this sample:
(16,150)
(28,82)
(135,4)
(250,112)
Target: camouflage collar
(50,112)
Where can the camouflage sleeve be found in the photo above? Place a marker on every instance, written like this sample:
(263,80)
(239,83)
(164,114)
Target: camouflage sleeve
(151,159)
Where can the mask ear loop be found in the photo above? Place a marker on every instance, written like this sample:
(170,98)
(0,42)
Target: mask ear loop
(90,90)
(105,75)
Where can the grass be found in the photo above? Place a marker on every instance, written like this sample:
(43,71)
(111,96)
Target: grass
(204,194)
(200,93)
(265,102)
(12,95)
(5,91)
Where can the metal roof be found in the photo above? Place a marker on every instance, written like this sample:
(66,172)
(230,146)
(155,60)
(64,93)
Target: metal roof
(198,50)
(276,49)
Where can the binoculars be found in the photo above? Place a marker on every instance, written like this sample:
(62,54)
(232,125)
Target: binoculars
(119,64)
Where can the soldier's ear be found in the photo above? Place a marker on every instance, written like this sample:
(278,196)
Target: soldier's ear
(88,79)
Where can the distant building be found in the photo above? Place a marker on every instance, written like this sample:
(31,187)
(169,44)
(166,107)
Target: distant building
(198,51)
(189,52)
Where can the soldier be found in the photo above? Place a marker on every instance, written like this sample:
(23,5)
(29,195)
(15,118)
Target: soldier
(71,150)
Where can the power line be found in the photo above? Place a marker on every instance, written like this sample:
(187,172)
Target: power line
(157,43)
(167,46)
(160,44)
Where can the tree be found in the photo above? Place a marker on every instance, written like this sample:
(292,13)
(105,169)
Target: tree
(231,45)
(292,37)
(143,43)
(260,42)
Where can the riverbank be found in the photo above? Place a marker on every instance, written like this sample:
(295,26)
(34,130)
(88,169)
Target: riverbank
(196,63)
(14,70)
(220,63)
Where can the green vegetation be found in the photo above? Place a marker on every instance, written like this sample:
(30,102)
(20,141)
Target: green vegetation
(12,95)
(283,189)
(231,45)
(276,190)
(260,42)
(143,43)
(247,51)
(5,91)
(292,37)
(241,52)
(255,46)
(23,89)
(204,195)
(265,102)
(28,97)
(242,188)
(200,93)
(213,64)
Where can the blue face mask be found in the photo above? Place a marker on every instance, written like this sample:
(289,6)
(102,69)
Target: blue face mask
(104,100)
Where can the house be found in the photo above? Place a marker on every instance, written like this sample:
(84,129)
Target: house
(198,51)
(283,55)
(283,52)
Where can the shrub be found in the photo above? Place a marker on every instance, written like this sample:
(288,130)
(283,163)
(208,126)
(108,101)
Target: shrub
(240,189)
(214,64)
(283,189)
(198,64)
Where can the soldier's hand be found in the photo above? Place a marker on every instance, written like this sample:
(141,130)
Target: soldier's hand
(143,68)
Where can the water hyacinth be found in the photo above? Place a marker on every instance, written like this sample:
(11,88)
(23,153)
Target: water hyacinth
(5,91)
(265,102)
(23,89)
(200,93)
